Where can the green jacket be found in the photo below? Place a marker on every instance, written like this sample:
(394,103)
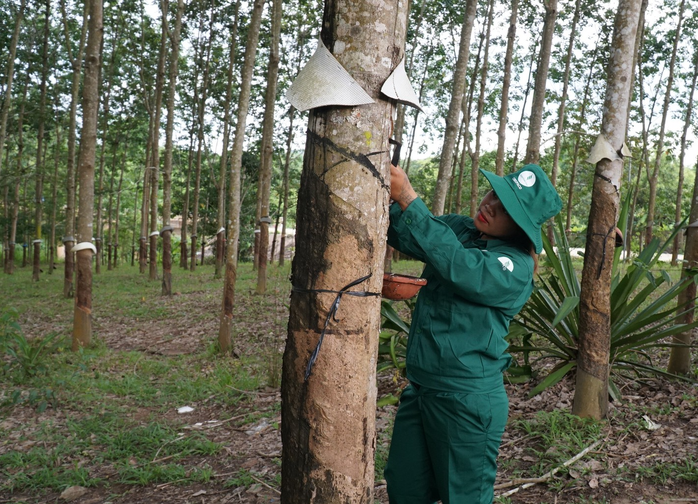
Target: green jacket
(475,287)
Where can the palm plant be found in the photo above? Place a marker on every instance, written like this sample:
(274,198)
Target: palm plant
(643,316)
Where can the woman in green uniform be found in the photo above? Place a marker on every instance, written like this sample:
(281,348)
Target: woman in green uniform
(480,274)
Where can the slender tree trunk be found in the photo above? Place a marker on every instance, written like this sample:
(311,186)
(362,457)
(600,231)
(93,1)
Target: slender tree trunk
(680,358)
(265,172)
(9,76)
(19,177)
(506,83)
(287,171)
(591,393)
(200,147)
(563,103)
(578,139)
(115,239)
(82,323)
(654,179)
(54,204)
(682,155)
(225,331)
(76,62)
(39,188)
(167,168)
(220,236)
(155,150)
(453,117)
(538,105)
(520,127)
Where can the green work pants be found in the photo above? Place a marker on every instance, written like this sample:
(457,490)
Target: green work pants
(445,446)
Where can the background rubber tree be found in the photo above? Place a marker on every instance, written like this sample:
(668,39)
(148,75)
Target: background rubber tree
(265,165)
(443,182)
(591,392)
(225,330)
(328,419)
(82,322)
(169,147)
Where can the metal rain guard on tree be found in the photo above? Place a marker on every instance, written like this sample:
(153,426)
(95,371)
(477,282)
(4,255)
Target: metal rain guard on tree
(398,87)
(323,81)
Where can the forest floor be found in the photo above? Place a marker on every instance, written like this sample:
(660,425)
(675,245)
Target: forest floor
(106,425)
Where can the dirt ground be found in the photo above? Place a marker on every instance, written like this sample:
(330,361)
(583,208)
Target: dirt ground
(257,447)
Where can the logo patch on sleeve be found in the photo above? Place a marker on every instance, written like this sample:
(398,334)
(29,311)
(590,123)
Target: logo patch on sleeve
(507,263)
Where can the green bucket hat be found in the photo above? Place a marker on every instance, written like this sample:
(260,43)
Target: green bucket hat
(528,197)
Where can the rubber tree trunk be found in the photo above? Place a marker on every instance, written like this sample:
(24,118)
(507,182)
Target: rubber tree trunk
(686,125)
(454,109)
(328,420)
(225,331)
(591,392)
(200,147)
(169,147)
(222,178)
(287,172)
(506,84)
(82,322)
(76,64)
(9,76)
(265,172)
(538,103)
(39,189)
(563,103)
(680,357)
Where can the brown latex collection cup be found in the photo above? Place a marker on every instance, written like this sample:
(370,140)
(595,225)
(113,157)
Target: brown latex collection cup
(401,287)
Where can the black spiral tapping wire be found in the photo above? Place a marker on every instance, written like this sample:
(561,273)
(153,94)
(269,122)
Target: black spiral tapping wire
(332,313)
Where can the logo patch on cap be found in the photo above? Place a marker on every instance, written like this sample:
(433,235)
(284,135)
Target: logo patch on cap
(527,178)
(507,264)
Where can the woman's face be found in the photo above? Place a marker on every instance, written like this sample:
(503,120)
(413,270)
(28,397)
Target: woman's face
(492,220)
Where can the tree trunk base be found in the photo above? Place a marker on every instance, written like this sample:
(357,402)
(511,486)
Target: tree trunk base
(590,397)
(82,328)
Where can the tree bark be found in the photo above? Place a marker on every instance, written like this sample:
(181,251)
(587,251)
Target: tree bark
(39,188)
(660,142)
(220,235)
(328,429)
(561,110)
(169,147)
(453,117)
(199,149)
(265,169)
(287,172)
(19,176)
(506,83)
(82,322)
(538,105)
(225,331)
(680,358)
(591,393)
(76,63)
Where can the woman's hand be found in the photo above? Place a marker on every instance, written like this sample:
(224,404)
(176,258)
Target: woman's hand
(400,188)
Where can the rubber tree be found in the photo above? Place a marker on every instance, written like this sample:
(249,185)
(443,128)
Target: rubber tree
(265,168)
(169,147)
(6,105)
(328,416)
(454,110)
(76,65)
(39,166)
(653,177)
(225,331)
(680,357)
(220,235)
(506,84)
(591,392)
(538,102)
(82,321)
